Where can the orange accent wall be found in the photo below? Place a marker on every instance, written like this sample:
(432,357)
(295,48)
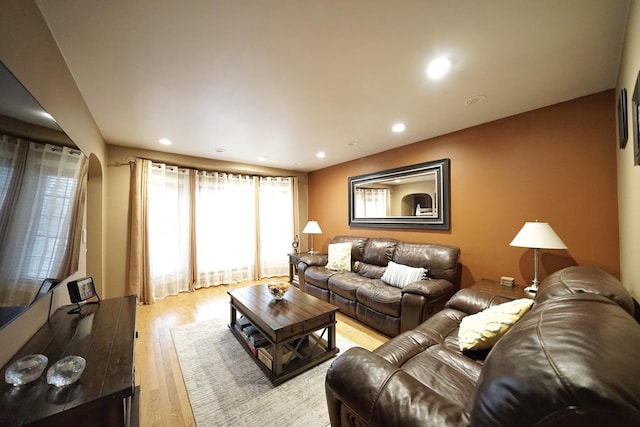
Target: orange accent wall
(556,164)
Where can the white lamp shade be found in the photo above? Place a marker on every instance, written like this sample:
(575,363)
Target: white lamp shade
(312,227)
(537,235)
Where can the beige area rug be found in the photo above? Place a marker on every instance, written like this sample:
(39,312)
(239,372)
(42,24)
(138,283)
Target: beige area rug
(227,388)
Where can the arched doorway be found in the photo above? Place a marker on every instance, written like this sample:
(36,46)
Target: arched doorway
(417,204)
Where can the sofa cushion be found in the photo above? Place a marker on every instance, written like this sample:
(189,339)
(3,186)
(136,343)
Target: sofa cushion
(445,372)
(482,330)
(399,275)
(318,276)
(380,297)
(357,245)
(440,260)
(339,256)
(369,271)
(345,284)
(379,251)
(434,330)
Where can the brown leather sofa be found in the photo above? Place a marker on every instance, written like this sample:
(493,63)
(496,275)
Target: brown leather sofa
(362,294)
(572,360)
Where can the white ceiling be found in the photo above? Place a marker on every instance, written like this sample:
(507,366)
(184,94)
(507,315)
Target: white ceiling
(285,79)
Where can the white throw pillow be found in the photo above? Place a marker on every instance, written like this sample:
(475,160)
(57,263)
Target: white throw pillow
(399,275)
(339,257)
(482,330)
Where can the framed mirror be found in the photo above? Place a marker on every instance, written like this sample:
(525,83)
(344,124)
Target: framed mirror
(415,196)
(23,279)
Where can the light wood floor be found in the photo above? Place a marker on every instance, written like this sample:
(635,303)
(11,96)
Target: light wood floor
(163,397)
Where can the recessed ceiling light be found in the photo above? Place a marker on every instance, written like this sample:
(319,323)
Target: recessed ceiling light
(475,100)
(438,68)
(262,158)
(399,127)
(165,141)
(321,155)
(219,150)
(352,143)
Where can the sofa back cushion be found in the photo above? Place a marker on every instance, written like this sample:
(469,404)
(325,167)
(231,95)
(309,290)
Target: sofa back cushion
(377,254)
(357,246)
(441,261)
(379,251)
(584,279)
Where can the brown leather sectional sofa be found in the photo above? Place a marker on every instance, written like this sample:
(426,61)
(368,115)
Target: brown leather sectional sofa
(571,360)
(362,294)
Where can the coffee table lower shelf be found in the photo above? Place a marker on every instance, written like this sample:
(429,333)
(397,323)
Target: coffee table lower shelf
(309,356)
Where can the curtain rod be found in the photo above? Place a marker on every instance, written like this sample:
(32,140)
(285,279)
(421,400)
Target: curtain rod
(183,166)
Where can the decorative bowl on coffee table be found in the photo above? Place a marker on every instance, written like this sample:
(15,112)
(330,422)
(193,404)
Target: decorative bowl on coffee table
(278,289)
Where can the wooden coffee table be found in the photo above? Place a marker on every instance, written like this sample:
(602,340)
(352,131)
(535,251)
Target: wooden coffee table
(300,330)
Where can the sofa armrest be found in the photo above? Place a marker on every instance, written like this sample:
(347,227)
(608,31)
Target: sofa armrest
(421,299)
(472,301)
(306,261)
(429,288)
(361,384)
(315,260)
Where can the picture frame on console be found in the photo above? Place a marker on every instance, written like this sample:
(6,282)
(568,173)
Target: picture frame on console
(623,132)
(635,103)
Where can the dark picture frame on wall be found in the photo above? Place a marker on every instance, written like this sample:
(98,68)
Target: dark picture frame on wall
(635,104)
(623,132)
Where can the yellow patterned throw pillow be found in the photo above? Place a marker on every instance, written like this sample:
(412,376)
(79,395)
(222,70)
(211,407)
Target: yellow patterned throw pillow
(482,330)
(339,257)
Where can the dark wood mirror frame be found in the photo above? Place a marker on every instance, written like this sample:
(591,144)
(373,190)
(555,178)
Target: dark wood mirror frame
(436,171)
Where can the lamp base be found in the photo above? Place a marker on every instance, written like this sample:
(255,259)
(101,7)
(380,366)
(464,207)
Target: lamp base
(532,289)
(312,252)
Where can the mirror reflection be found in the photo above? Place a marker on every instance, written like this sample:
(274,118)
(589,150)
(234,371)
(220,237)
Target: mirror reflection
(41,199)
(415,196)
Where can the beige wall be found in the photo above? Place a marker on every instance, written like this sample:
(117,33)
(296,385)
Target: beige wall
(118,200)
(628,174)
(555,164)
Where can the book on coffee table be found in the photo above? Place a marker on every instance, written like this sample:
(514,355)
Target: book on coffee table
(265,354)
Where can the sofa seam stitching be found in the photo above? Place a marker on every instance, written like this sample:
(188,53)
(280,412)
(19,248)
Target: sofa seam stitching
(378,392)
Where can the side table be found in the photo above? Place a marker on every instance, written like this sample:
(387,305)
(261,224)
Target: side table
(494,287)
(294,259)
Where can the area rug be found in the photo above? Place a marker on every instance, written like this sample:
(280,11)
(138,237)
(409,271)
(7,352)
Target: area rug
(227,388)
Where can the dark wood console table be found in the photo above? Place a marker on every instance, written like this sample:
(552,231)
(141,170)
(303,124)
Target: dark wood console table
(104,335)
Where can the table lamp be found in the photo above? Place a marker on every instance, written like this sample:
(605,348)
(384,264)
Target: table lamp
(312,228)
(537,235)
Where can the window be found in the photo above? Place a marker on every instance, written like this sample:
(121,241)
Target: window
(209,228)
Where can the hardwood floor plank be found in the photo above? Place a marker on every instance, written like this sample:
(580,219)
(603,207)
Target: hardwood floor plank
(163,396)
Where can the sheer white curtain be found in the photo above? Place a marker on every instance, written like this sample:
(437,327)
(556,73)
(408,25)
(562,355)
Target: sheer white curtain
(169,224)
(8,150)
(225,228)
(370,202)
(212,228)
(276,225)
(38,189)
